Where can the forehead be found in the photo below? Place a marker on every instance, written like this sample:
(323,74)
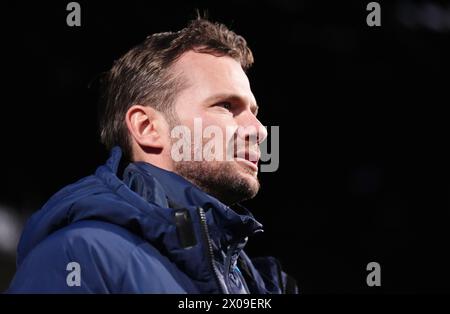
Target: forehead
(207,74)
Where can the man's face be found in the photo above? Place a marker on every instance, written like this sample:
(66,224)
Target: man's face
(218,96)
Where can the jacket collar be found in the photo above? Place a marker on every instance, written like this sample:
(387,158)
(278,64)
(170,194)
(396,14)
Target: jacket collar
(155,196)
(167,189)
(143,202)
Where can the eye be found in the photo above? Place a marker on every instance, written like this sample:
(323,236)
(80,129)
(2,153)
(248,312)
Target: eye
(225,104)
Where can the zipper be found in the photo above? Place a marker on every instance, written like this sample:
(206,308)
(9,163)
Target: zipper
(216,272)
(241,277)
(230,252)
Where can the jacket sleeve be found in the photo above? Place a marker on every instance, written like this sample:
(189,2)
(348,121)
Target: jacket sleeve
(77,260)
(96,257)
(147,271)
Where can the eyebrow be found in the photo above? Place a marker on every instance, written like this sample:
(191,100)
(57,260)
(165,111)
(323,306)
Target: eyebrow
(232,98)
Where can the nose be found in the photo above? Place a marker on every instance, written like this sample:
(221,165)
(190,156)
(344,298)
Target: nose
(250,127)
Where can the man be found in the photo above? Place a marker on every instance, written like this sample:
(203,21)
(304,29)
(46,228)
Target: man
(164,224)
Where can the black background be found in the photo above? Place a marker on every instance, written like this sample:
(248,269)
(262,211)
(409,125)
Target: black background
(362,111)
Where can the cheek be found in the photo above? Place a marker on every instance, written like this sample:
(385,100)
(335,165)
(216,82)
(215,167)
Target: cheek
(219,120)
(224,128)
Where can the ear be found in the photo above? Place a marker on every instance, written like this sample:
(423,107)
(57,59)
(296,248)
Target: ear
(146,126)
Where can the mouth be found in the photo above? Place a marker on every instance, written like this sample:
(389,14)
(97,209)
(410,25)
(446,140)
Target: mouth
(249,159)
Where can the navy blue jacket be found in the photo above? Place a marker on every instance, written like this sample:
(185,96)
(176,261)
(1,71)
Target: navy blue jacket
(151,232)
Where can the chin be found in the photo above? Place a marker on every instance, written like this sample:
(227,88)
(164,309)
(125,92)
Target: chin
(245,171)
(251,180)
(229,182)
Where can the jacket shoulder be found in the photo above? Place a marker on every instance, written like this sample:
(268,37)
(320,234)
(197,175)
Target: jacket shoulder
(96,257)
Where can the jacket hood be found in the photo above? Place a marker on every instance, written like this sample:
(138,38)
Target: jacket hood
(145,202)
